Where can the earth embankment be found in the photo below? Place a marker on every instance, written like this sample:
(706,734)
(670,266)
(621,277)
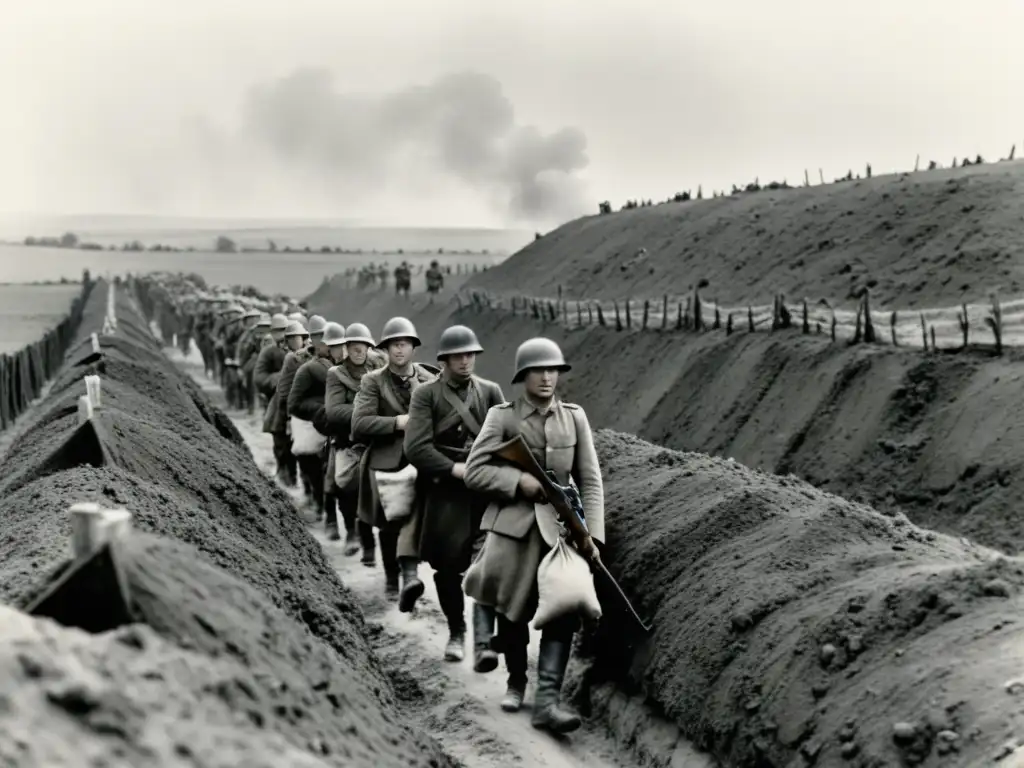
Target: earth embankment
(919,240)
(263,652)
(930,435)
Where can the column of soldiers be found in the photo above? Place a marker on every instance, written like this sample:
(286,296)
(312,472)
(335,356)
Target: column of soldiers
(380,412)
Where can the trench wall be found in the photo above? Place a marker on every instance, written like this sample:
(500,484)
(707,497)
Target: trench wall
(223,574)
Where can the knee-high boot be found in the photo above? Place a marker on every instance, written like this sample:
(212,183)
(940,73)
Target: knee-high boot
(412,587)
(389,559)
(512,641)
(331,517)
(555,647)
(453,605)
(484,659)
(353,540)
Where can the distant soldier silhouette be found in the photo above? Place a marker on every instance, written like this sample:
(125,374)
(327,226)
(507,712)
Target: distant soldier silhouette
(403,279)
(435,279)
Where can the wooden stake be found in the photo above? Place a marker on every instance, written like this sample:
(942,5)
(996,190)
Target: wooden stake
(84,409)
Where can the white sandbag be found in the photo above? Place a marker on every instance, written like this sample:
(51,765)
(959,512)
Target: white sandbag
(565,585)
(306,441)
(397,492)
(346,467)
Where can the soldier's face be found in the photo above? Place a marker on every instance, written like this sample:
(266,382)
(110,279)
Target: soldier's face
(541,382)
(318,344)
(337,352)
(295,343)
(461,365)
(277,335)
(357,352)
(400,351)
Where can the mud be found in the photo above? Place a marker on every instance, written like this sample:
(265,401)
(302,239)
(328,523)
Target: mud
(929,239)
(230,573)
(792,624)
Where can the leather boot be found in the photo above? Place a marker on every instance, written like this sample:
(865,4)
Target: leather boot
(551,663)
(369,558)
(331,520)
(353,541)
(512,641)
(449,595)
(412,587)
(484,659)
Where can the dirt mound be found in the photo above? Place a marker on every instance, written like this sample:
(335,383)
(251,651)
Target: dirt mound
(253,591)
(920,240)
(792,622)
(125,698)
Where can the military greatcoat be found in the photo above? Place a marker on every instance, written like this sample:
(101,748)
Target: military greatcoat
(448,514)
(520,532)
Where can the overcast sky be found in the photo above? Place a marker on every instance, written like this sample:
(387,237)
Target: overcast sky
(421,112)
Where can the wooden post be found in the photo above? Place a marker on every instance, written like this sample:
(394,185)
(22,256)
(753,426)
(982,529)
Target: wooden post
(92,389)
(664,312)
(892,328)
(647,312)
(579,315)
(84,409)
(590,314)
(95,342)
(618,317)
(629,315)
(86,529)
(750,319)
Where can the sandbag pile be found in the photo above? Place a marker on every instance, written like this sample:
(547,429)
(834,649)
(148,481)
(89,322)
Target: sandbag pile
(23,373)
(247,649)
(793,627)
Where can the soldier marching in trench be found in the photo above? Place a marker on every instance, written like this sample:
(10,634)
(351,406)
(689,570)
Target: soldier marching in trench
(445,416)
(387,480)
(244,352)
(267,376)
(307,413)
(354,356)
(521,529)
(301,350)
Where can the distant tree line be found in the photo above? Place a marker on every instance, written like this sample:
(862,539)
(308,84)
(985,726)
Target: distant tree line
(224,244)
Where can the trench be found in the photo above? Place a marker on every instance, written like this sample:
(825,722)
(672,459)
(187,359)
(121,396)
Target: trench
(448,700)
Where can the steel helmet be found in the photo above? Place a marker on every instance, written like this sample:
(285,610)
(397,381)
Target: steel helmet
(334,334)
(295,328)
(297,317)
(316,324)
(359,332)
(538,352)
(264,321)
(232,309)
(252,313)
(457,340)
(279,322)
(398,328)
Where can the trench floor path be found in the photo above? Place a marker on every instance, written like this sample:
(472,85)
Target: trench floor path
(450,701)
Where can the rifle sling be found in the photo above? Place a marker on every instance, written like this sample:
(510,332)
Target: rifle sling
(461,409)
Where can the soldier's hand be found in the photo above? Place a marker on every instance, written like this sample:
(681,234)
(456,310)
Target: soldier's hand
(459,470)
(589,549)
(530,487)
(401,421)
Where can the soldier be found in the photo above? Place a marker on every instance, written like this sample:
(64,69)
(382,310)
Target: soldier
(444,418)
(403,279)
(296,339)
(233,329)
(218,335)
(519,531)
(267,376)
(306,402)
(435,280)
(357,358)
(379,417)
(244,349)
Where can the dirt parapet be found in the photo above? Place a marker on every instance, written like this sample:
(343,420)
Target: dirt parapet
(929,239)
(254,622)
(794,627)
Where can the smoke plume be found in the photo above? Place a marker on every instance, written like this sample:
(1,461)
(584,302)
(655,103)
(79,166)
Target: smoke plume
(460,128)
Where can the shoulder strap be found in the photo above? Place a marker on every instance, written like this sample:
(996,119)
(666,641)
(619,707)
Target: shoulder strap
(461,408)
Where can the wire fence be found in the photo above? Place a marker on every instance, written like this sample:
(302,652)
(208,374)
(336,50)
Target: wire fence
(992,326)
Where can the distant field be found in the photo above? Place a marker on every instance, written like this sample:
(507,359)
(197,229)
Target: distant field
(29,311)
(296,273)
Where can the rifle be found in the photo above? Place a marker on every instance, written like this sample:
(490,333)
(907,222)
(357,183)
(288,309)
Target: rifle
(569,508)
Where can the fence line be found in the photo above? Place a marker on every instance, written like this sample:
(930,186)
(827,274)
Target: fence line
(24,372)
(993,326)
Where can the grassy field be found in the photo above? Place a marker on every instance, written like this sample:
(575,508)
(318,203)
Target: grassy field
(28,311)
